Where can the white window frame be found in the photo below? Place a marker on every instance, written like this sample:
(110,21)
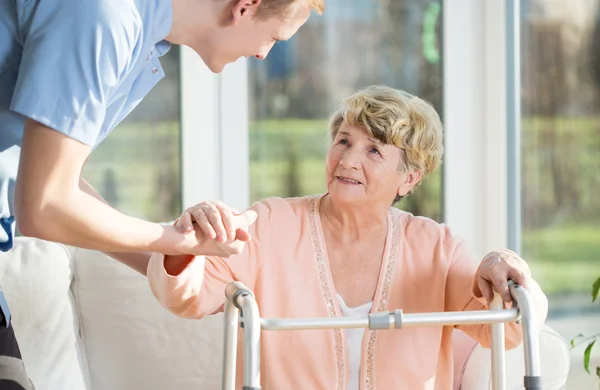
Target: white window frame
(215,128)
(475,107)
(513,90)
(214,133)
(200,146)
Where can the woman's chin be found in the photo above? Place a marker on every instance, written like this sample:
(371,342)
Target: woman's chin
(346,197)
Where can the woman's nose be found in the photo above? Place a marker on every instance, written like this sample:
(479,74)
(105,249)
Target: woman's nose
(351,159)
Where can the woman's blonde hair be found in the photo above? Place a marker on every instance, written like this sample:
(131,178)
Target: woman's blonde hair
(398,118)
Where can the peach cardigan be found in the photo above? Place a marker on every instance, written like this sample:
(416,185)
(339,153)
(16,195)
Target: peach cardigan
(424,269)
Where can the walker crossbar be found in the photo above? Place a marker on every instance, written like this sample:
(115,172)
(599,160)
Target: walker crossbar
(240,298)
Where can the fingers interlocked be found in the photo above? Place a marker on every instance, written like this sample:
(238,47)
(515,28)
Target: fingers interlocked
(218,221)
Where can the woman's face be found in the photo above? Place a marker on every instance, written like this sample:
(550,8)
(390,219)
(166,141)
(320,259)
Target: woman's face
(360,169)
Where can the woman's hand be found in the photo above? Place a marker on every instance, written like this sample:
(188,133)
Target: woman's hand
(496,269)
(221,223)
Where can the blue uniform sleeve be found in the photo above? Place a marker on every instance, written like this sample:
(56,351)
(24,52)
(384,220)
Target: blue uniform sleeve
(75,54)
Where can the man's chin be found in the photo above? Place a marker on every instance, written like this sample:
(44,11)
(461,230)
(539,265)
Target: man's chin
(219,66)
(215,67)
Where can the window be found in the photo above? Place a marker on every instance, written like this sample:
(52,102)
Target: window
(292,93)
(137,168)
(560,164)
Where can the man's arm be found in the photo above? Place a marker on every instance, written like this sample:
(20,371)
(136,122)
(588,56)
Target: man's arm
(49,203)
(136,260)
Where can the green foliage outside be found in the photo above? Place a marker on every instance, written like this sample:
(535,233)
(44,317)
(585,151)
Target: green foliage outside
(137,169)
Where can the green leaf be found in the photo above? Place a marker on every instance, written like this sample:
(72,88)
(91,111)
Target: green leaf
(586,356)
(598,371)
(595,290)
(575,339)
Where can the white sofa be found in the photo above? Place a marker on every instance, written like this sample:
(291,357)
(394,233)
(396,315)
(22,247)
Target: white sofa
(86,322)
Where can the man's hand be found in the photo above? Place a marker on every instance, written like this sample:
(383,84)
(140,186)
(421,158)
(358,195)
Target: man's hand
(496,269)
(225,227)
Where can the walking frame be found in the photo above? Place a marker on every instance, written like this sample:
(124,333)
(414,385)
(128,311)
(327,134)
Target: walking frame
(241,299)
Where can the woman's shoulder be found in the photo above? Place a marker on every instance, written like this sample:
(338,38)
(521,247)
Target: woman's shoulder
(423,229)
(278,207)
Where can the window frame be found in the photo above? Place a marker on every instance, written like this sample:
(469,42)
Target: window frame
(475,116)
(214,133)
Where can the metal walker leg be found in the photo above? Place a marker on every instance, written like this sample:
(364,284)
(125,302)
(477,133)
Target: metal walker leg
(240,298)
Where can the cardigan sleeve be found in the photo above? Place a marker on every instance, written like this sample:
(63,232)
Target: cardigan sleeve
(462,294)
(199,290)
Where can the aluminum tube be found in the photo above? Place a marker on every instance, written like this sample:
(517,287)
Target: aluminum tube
(313,323)
(443,318)
(459,318)
(232,316)
(498,347)
(531,346)
(251,320)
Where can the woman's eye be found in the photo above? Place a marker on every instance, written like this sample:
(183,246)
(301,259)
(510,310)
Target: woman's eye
(374,150)
(343,141)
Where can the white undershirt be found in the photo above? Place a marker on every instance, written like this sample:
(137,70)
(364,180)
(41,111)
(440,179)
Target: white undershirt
(354,339)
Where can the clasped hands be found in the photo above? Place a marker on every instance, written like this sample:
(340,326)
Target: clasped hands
(225,228)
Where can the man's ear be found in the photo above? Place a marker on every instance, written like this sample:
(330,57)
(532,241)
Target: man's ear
(243,8)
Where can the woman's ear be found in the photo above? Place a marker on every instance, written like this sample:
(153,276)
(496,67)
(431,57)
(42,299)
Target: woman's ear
(412,178)
(243,8)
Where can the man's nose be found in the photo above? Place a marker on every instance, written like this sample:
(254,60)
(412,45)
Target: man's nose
(264,53)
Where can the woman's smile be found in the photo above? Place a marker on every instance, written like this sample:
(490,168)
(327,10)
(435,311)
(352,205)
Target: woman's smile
(347,180)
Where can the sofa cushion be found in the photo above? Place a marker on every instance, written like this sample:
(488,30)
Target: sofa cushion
(36,277)
(134,343)
(555,364)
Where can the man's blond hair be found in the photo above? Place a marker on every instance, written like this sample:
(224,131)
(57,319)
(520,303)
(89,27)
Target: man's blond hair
(270,8)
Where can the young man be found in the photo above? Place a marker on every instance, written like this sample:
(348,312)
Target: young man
(70,71)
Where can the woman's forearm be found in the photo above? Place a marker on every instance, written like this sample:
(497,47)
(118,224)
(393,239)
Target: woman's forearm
(176,282)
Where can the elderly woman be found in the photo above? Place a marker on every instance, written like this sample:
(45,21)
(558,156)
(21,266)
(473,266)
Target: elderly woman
(348,252)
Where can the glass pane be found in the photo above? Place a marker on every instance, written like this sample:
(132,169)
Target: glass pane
(560,157)
(137,168)
(292,93)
